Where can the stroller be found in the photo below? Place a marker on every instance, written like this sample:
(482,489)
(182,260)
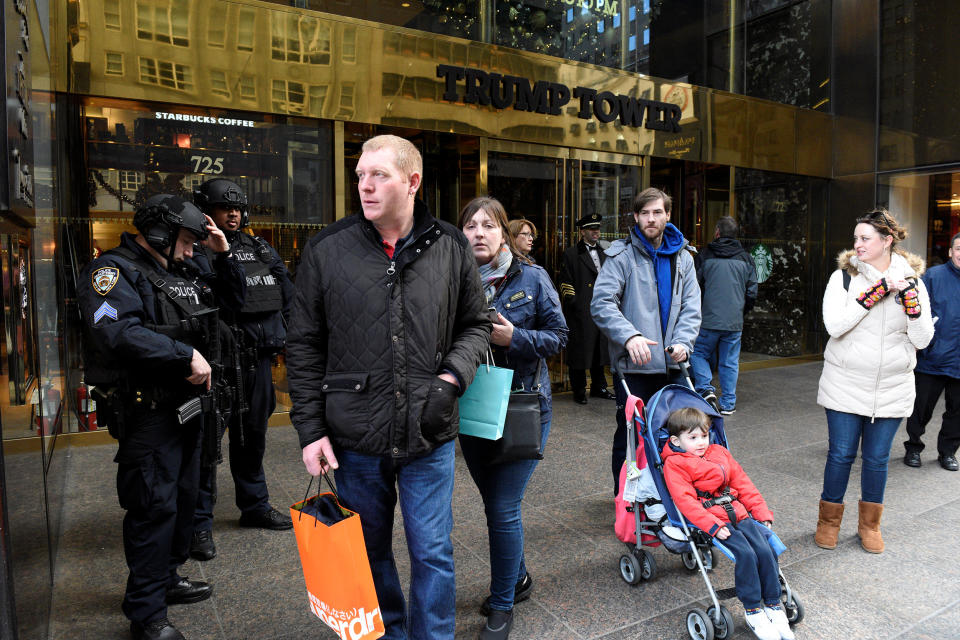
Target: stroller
(657,522)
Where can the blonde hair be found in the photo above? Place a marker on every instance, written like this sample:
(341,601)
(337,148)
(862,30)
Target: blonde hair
(516,226)
(405,154)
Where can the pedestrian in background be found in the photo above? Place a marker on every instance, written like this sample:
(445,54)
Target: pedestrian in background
(652,265)
(522,235)
(388,327)
(877,313)
(728,284)
(938,366)
(259,329)
(587,348)
(529,329)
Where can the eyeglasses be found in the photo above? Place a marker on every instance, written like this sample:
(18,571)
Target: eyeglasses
(533,236)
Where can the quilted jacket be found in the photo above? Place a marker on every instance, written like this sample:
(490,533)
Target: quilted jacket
(369,335)
(868,362)
(686,473)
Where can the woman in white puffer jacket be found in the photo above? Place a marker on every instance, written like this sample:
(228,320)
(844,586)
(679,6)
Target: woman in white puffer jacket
(877,313)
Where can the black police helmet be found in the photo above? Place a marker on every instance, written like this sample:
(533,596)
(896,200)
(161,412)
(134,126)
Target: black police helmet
(221,192)
(161,217)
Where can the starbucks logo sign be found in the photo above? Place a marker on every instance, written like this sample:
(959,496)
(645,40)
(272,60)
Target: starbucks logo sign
(763,261)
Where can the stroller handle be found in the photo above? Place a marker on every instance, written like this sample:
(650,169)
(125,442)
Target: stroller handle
(618,370)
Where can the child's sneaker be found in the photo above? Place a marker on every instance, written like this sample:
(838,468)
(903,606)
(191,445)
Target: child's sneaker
(760,624)
(778,617)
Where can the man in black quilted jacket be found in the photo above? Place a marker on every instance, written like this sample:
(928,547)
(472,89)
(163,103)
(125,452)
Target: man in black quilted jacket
(388,326)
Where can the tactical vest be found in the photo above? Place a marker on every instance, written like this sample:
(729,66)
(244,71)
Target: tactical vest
(184,307)
(264,293)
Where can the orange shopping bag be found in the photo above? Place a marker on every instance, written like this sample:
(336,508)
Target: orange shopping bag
(335,566)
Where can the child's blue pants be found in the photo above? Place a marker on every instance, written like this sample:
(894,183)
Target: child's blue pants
(756,571)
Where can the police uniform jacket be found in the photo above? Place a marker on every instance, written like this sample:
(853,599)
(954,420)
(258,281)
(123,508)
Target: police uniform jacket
(577,276)
(118,302)
(266,309)
(369,335)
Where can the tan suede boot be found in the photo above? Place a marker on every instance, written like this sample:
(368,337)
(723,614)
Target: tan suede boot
(828,524)
(869,527)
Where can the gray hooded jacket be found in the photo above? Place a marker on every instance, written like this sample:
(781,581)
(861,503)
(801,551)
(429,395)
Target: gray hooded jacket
(625,303)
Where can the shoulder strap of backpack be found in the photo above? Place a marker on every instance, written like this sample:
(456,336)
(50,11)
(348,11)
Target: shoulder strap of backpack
(846,280)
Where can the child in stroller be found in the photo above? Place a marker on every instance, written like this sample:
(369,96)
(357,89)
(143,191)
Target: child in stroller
(714,493)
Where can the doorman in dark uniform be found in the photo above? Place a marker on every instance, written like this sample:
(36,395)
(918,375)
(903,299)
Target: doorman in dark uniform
(587,347)
(259,329)
(151,347)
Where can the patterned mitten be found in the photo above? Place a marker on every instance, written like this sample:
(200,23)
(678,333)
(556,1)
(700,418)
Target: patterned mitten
(911,301)
(874,294)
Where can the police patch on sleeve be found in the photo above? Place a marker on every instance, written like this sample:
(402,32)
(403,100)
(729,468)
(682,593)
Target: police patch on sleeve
(105,311)
(103,280)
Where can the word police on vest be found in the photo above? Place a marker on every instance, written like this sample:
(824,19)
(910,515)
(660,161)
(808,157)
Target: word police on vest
(502,91)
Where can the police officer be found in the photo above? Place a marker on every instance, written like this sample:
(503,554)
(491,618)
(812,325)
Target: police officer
(259,328)
(150,337)
(587,347)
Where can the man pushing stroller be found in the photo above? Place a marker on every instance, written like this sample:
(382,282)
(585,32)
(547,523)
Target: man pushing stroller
(714,493)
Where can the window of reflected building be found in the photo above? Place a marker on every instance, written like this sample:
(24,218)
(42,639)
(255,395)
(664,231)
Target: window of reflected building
(134,150)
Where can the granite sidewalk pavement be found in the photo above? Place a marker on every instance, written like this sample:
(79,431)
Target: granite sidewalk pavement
(778,433)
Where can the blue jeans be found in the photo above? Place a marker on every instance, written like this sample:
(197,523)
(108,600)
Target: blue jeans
(368,485)
(756,573)
(501,487)
(726,345)
(847,430)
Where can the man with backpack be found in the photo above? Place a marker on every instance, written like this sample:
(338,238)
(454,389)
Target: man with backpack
(728,281)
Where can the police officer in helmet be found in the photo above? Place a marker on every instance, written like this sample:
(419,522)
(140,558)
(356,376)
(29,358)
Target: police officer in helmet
(150,338)
(260,331)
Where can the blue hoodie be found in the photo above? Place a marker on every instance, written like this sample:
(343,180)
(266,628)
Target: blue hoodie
(672,242)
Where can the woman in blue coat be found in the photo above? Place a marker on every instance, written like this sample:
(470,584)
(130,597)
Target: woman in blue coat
(529,327)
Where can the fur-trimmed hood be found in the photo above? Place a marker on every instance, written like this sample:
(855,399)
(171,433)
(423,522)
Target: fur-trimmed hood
(847,261)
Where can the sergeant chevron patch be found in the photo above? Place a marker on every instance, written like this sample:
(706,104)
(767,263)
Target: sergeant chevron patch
(105,310)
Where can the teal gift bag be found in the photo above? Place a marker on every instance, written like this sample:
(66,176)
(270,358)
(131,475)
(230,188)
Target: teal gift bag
(483,407)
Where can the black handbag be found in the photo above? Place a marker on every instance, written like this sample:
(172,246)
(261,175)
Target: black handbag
(522,431)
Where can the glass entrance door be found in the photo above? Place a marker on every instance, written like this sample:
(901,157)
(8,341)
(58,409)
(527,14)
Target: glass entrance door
(531,187)
(553,187)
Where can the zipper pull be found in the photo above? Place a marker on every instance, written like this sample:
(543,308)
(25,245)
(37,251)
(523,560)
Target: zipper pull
(392,269)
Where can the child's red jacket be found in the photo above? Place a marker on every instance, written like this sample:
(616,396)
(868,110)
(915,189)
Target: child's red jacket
(685,473)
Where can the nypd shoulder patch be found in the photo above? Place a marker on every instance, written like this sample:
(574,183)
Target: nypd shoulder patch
(104,279)
(105,311)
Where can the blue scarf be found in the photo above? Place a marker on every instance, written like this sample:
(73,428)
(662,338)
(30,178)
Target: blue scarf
(671,243)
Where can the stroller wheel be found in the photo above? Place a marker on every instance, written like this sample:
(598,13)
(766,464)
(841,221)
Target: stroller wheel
(699,625)
(724,629)
(690,562)
(793,608)
(630,569)
(706,555)
(648,566)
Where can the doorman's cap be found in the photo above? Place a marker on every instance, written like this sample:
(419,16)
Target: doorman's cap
(591,221)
